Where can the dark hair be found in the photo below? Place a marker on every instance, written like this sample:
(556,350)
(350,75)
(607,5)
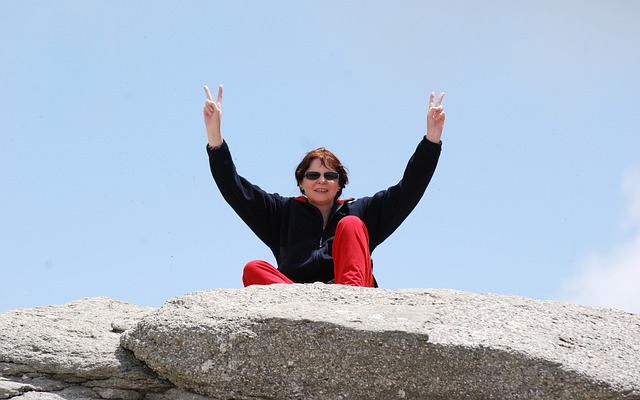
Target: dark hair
(329,160)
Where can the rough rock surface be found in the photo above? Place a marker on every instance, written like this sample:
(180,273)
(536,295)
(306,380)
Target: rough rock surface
(320,342)
(335,342)
(73,352)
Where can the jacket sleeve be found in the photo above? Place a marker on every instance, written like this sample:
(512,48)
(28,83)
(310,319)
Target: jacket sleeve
(258,209)
(383,212)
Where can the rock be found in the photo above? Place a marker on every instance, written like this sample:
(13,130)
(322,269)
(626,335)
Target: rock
(73,351)
(176,394)
(336,342)
(320,342)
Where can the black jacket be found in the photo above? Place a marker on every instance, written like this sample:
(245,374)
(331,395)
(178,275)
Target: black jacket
(292,228)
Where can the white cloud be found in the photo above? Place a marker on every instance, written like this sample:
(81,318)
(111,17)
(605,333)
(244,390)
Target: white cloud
(613,279)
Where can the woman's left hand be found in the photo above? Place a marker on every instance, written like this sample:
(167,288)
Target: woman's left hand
(435,118)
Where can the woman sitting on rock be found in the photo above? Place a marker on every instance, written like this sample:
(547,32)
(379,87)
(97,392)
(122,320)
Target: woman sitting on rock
(318,237)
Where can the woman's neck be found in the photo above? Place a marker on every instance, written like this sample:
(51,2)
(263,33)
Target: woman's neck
(325,210)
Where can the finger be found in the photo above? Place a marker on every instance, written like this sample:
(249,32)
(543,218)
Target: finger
(219,101)
(431,97)
(440,99)
(208,93)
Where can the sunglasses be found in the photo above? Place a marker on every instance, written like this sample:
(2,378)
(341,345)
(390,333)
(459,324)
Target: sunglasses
(314,176)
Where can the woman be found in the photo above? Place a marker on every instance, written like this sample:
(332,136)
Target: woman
(317,237)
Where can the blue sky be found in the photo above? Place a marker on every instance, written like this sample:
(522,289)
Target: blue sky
(104,183)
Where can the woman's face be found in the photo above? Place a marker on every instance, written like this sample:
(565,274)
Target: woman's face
(320,191)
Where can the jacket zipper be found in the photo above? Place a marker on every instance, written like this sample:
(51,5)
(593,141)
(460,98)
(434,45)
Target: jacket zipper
(329,220)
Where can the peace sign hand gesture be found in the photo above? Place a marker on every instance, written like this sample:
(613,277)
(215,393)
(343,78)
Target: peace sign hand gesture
(212,116)
(435,118)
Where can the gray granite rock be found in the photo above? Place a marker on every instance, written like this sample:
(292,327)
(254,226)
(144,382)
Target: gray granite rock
(320,342)
(335,342)
(73,351)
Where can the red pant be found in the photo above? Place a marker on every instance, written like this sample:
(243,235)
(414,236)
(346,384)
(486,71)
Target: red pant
(351,259)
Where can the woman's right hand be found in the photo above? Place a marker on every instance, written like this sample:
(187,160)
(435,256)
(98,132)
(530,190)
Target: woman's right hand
(212,116)
(435,118)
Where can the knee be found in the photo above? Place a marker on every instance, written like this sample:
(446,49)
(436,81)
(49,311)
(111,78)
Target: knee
(351,222)
(252,272)
(351,228)
(254,265)
(259,272)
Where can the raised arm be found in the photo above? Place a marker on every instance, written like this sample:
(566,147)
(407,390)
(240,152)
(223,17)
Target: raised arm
(212,117)
(386,210)
(435,118)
